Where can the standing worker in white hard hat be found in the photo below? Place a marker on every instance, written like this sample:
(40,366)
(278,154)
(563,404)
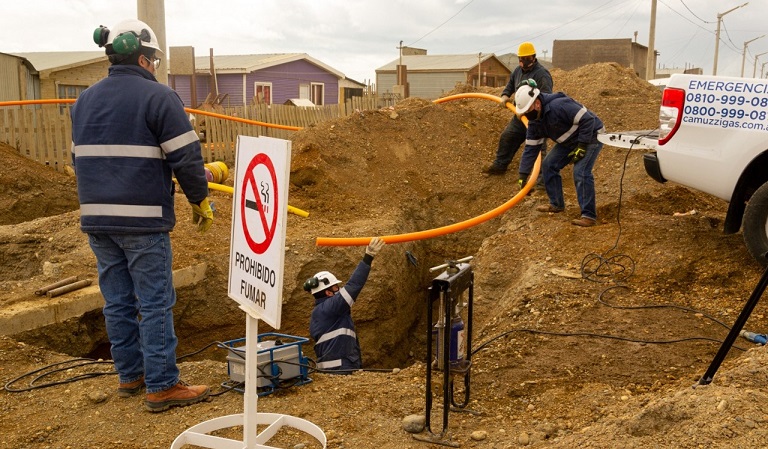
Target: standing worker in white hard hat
(513,135)
(331,326)
(130,135)
(574,128)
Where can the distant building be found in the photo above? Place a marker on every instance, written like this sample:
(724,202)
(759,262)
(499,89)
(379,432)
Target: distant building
(667,72)
(510,60)
(572,54)
(52,75)
(431,76)
(239,80)
(261,78)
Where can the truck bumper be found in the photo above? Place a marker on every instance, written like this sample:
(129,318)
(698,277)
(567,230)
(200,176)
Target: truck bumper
(652,167)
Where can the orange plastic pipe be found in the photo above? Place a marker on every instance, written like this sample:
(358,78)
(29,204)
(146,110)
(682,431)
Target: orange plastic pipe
(189,110)
(25,102)
(436,232)
(242,120)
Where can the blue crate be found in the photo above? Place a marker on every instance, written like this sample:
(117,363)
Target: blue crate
(280,362)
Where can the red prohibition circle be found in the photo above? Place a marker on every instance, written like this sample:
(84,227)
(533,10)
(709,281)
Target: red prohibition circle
(269,228)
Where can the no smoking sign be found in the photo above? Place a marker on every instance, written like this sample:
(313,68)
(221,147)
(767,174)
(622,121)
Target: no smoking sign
(258,203)
(260,210)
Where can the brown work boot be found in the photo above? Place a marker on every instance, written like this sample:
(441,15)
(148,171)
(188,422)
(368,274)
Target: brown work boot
(129,389)
(178,395)
(548,208)
(584,222)
(494,170)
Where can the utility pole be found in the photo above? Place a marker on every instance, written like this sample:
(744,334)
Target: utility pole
(650,64)
(717,34)
(754,69)
(479,63)
(744,53)
(152,13)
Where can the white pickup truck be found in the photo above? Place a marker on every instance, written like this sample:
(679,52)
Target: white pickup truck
(713,137)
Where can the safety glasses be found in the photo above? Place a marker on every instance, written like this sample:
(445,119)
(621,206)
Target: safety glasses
(155,61)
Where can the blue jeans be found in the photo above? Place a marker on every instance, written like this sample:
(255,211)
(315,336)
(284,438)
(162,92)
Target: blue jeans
(556,159)
(135,278)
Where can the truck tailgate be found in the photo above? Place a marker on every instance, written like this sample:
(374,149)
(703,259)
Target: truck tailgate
(646,140)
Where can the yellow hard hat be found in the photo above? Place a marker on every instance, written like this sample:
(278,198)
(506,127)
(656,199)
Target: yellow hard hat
(526,49)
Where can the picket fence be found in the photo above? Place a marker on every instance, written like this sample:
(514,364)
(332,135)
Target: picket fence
(43,132)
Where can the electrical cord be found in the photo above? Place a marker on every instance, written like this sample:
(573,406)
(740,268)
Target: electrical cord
(618,267)
(51,369)
(68,365)
(615,337)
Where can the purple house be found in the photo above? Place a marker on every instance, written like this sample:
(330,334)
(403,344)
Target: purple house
(257,79)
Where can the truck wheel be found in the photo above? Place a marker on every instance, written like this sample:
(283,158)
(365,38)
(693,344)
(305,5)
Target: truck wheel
(756,225)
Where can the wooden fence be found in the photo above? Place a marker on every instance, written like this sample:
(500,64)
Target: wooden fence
(44,132)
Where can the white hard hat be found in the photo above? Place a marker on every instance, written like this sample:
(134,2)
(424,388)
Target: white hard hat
(320,281)
(524,98)
(127,37)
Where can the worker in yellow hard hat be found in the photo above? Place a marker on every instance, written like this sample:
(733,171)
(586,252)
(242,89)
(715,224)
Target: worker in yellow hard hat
(513,135)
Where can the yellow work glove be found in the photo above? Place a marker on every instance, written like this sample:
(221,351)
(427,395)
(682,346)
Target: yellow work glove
(577,154)
(202,215)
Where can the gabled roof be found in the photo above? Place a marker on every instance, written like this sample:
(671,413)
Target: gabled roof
(250,63)
(458,63)
(61,60)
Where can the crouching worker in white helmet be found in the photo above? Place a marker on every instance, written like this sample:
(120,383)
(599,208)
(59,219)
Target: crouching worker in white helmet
(336,345)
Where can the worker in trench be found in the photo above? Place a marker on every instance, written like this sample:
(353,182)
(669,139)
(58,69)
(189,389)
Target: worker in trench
(130,135)
(331,326)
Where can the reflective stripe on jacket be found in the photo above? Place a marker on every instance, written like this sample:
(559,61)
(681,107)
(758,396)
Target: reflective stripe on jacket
(331,325)
(130,136)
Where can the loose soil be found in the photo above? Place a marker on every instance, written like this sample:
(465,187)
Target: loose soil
(582,337)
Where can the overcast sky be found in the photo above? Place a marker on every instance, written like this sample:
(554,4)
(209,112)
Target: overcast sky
(357,37)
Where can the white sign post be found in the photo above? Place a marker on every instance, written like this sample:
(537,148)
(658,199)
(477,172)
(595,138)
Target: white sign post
(257,251)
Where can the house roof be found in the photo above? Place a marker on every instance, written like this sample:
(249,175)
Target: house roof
(61,60)
(250,63)
(437,62)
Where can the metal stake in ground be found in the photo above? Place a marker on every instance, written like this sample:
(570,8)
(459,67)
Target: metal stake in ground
(706,379)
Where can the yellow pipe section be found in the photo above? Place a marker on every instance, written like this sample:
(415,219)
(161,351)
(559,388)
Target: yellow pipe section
(436,232)
(231,190)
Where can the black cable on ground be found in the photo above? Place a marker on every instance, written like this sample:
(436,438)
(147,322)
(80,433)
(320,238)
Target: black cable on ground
(51,369)
(614,337)
(618,267)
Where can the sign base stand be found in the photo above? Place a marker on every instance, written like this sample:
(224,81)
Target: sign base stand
(198,434)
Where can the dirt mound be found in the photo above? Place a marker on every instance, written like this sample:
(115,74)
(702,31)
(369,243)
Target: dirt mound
(29,190)
(581,337)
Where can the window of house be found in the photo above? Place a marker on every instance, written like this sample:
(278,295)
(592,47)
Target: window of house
(69,92)
(304,91)
(262,93)
(317,91)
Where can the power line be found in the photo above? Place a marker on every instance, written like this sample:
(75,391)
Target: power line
(438,27)
(685,18)
(692,13)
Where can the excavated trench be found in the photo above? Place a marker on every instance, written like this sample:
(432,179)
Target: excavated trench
(391,318)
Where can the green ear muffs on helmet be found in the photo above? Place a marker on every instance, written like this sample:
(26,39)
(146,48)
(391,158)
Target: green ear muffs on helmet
(126,38)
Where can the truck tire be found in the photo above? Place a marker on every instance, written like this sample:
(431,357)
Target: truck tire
(756,225)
